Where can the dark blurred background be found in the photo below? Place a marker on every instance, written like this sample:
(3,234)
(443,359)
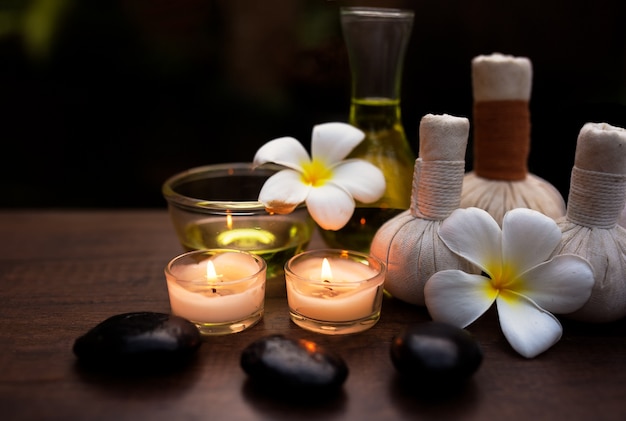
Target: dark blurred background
(102,100)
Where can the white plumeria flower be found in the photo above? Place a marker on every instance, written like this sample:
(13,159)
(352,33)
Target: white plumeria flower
(327,183)
(520,279)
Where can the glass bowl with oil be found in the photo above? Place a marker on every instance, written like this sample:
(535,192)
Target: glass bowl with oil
(216,207)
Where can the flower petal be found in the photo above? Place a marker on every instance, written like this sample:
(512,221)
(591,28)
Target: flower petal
(561,285)
(285,151)
(283,191)
(332,142)
(458,298)
(364,181)
(473,234)
(528,238)
(330,206)
(527,327)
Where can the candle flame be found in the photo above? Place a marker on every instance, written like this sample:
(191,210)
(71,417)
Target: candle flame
(327,274)
(211,275)
(229,221)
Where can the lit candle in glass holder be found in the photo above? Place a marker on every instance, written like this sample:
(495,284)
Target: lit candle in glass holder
(221,291)
(334,291)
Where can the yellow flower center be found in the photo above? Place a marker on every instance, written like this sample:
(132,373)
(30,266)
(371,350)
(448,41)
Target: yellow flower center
(501,279)
(316,173)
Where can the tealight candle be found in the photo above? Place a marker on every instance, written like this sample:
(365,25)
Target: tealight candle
(221,291)
(334,291)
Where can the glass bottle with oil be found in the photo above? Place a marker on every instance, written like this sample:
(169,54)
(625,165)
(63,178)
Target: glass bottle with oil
(376,40)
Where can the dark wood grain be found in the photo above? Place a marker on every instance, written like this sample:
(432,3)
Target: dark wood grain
(64,272)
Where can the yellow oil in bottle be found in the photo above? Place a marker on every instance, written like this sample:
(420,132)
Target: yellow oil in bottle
(376,40)
(386,146)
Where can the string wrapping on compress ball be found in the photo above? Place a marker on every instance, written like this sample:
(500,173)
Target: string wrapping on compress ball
(437,189)
(596,199)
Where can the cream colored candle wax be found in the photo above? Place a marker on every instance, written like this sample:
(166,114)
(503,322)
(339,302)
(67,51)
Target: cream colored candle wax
(344,296)
(225,288)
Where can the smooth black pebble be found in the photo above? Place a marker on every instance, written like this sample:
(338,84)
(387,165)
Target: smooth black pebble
(432,354)
(293,366)
(139,341)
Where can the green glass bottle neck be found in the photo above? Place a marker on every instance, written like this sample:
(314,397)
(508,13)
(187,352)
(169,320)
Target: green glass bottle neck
(374,114)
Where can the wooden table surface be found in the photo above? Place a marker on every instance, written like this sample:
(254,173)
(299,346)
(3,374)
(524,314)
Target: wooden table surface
(62,272)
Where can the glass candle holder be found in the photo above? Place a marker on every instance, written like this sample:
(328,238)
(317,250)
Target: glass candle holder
(334,291)
(221,291)
(216,206)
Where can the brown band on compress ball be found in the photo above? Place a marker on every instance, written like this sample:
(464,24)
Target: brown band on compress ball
(501,139)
